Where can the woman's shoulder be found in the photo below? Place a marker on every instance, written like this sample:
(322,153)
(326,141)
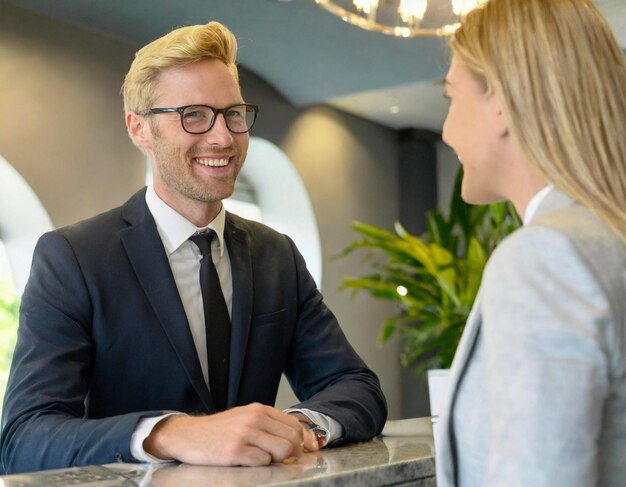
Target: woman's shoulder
(570,245)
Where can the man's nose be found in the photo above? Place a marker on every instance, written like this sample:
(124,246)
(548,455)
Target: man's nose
(219,133)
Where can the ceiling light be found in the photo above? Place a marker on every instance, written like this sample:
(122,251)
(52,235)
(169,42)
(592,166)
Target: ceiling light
(403,18)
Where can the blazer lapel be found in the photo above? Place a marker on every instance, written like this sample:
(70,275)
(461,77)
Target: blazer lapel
(149,261)
(446,465)
(553,201)
(238,246)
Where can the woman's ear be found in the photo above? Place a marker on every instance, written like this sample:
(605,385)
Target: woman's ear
(501,125)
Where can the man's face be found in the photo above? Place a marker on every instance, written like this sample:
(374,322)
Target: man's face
(188,168)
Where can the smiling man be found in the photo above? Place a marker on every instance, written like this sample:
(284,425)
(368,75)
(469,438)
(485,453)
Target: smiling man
(159,330)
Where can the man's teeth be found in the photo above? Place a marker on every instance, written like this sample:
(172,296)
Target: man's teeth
(213,162)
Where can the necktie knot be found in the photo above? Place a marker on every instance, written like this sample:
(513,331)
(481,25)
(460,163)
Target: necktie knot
(203,241)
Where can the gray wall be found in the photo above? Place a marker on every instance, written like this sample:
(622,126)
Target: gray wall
(62,126)
(62,129)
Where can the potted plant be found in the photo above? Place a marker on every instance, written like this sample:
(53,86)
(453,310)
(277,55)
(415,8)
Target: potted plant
(433,278)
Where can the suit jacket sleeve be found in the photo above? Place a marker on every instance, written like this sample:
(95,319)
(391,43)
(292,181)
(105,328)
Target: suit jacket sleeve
(44,423)
(324,370)
(547,325)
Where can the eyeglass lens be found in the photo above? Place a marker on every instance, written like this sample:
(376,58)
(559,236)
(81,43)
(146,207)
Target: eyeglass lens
(198,119)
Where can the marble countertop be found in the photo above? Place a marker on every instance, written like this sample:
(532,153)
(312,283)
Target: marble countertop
(388,460)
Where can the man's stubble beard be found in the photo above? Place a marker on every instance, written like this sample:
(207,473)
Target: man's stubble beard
(177,174)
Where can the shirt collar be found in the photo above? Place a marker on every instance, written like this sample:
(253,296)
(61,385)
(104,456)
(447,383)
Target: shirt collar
(174,228)
(534,203)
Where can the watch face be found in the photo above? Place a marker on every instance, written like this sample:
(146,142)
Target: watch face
(320,433)
(321,436)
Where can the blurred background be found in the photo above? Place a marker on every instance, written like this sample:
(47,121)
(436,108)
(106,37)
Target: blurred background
(349,129)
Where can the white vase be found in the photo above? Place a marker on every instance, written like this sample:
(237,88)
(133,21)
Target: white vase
(437,386)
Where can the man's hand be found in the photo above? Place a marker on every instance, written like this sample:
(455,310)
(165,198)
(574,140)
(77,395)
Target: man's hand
(249,435)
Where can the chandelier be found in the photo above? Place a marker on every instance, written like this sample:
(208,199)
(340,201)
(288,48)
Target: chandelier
(403,18)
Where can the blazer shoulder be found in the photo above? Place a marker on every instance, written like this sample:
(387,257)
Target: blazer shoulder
(100,227)
(602,250)
(254,231)
(562,241)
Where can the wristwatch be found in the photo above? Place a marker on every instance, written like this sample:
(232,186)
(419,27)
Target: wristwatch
(320,433)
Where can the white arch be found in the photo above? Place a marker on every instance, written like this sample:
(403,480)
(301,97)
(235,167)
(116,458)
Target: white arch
(284,200)
(23,219)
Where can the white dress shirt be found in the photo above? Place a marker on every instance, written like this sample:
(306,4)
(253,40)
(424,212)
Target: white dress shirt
(533,204)
(184,259)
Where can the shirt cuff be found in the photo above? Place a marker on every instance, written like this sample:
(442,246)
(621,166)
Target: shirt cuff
(332,427)
(142,431)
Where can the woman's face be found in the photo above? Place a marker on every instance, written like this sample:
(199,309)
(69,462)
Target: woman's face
(476,131)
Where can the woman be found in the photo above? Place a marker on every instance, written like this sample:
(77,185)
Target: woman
(537,393)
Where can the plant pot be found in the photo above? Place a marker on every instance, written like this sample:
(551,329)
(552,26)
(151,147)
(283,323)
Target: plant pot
(437,387)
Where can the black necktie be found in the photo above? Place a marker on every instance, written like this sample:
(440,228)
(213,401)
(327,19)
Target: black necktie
(216,322)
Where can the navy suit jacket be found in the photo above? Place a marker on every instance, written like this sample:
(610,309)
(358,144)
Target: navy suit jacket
(103,341)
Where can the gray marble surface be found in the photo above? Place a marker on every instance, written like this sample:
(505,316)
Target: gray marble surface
(390,460)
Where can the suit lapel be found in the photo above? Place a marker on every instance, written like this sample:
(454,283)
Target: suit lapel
(237,242)
(145,251)
(447,467)
(553,201)
(447,454)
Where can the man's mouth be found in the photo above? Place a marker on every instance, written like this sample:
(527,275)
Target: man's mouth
(212,161)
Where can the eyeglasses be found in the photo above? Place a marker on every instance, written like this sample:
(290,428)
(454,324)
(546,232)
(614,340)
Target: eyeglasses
(199,119)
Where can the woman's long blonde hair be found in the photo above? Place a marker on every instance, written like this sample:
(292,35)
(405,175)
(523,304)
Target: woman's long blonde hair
(561,77)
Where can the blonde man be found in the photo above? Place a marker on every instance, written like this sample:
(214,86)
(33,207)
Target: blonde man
(159,331)
(537,116)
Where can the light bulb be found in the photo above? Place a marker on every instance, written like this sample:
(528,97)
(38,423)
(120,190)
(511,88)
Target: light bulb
(412,11)
(365,6)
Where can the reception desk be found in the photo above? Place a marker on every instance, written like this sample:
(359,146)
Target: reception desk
(389,460)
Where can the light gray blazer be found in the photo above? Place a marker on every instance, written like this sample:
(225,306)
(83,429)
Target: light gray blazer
(537,389)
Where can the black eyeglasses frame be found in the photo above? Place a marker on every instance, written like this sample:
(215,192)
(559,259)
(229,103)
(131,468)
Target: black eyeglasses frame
(216,112)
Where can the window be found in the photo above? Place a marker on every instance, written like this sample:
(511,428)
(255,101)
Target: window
(22,220)
(8,320)
(244,201)
(283,200)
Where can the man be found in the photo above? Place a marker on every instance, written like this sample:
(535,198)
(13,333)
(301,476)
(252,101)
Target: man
(113,361)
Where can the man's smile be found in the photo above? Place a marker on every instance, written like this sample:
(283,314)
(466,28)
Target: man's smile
(212,161)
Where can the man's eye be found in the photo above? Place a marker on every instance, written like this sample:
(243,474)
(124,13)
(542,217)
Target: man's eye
(195,114)
(235,114)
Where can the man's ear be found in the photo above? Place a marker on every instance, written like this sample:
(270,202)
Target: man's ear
(138,130)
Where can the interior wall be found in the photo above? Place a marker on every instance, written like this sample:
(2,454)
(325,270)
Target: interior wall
(62,127)
(63,130)
(447,167)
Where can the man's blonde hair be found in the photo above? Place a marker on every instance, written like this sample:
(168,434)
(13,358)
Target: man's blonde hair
(180,47)
(560,76)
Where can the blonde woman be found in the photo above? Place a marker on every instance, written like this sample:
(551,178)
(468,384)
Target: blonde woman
(537,116)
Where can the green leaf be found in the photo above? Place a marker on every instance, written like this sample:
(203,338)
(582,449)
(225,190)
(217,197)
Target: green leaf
(433,278)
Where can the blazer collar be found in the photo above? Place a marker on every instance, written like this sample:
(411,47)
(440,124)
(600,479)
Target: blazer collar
(555,200)
(446,464)
(146,254)
(237,239)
